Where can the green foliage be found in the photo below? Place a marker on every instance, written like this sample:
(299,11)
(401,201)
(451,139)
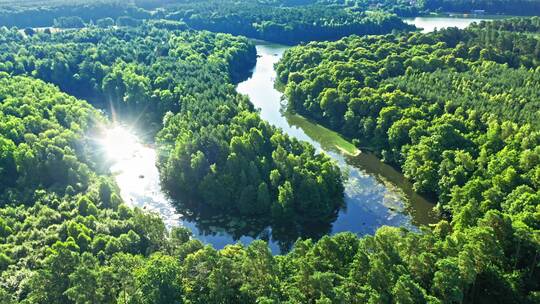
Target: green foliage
(413,117)
(42,142)
(510,7)
(69,22)
(407,8)
(215,153)
(229,166)
(141,78)
(520,25)
(158,280)
(277,21)
(456,110)
(64,13)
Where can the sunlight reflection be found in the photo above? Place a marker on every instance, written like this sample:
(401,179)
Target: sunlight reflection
(119,143)
(133,165)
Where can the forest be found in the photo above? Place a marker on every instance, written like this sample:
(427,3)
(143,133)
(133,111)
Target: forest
(288,25)
(408,8)
(509,7)
(282,21)
(268,20)
(214,150)
(455,110)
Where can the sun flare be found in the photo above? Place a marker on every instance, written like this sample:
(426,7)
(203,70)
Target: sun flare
(118,142)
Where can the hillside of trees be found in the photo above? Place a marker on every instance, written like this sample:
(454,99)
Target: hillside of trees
(269,20)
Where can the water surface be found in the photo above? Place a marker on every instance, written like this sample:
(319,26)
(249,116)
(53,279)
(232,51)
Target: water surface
(429,24)
(133,165)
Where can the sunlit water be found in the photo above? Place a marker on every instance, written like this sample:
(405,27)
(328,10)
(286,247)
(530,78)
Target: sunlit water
(133,165)
(429,24)
(135,171)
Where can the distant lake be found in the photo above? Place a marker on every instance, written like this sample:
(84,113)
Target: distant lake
(429,24)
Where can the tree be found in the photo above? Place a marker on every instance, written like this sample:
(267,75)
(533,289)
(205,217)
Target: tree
(447,282)
(105,22)
(8,171)
(406,291)
(69,22)
(84,281)
(159,281)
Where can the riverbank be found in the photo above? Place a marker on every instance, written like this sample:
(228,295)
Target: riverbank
(376,194)
(369,193)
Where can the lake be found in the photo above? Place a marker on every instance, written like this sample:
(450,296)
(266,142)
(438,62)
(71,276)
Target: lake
(430,23)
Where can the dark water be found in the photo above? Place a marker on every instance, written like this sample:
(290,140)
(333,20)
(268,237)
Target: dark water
(375,193)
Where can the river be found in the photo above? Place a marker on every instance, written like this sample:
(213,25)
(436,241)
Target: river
(375,193)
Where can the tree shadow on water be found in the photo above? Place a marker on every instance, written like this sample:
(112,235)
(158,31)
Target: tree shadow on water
(283,232)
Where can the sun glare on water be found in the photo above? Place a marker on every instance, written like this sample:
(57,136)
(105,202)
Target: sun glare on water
(118,143)
(133,165)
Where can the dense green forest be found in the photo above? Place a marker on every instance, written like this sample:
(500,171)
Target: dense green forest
(81,244)
(215,153)
(529,26)
(285,21)
(74,214)
(282,21)
(456,110)
(43,13)
(268,20)
(509,7)
(289,25)
(411,8)
(410,81)
(42,135)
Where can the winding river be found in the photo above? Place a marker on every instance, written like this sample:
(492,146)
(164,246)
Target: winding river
(375,193)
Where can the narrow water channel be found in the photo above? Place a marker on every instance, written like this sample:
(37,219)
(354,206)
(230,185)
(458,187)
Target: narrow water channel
(375,193)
